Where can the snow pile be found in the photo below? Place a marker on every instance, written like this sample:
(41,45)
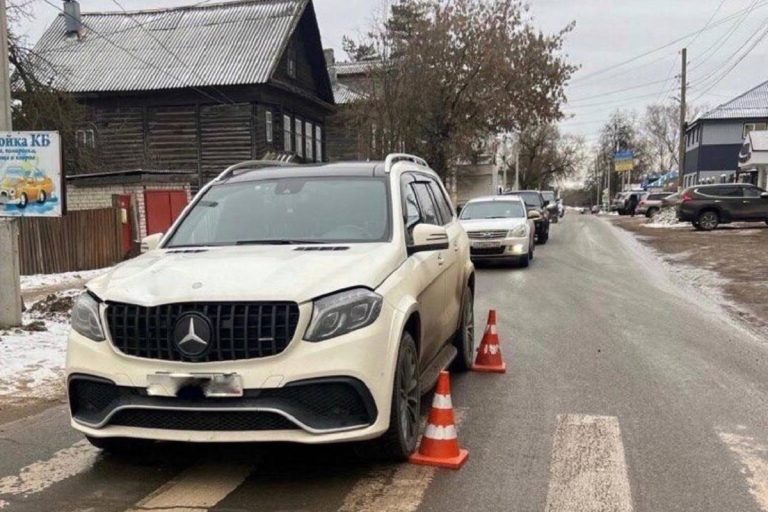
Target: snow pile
(666,218)
(45,280)
(32,356)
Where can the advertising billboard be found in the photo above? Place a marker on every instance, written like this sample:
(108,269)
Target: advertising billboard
(31,181)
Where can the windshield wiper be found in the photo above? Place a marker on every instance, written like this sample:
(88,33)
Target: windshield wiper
(278,242)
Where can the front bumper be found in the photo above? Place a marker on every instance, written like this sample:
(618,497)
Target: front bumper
(506,248)
(5,198)
(277,404)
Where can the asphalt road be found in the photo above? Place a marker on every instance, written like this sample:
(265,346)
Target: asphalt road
(624,391)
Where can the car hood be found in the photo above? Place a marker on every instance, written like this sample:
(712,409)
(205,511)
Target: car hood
(491,224)
(246,273)
(9,182)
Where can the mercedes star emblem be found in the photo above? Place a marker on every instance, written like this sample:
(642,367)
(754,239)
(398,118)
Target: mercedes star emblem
(192,334)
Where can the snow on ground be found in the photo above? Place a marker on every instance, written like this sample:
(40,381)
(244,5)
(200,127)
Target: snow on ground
(666,218)
(43,280)
(32,357)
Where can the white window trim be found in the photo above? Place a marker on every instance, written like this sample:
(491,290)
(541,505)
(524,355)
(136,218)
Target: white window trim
(309,143)
(270,127)
(299,138)
(287,133)
(318,143)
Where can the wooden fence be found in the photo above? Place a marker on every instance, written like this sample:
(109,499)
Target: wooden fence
(80,240)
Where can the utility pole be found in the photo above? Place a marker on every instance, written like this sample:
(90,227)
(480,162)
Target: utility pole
(10,294)
(517,166)
(598,182)
(681,150)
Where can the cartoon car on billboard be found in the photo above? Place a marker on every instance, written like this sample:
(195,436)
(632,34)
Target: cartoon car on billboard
(19,186)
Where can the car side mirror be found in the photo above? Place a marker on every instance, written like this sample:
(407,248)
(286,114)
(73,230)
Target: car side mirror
(150,243)
(764,195)
(546,203)
(428,237)
(533,214)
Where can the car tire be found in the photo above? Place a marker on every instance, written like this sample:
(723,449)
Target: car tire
(399,441)
(42,197)
(707,220)
(119,445)
(543,238)
(464,339)
(23,200)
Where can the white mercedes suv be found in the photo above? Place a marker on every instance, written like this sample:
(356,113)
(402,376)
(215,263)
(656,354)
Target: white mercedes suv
(311,304)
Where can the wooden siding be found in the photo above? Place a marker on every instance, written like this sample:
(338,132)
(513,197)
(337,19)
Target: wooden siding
(119,137)
(80,240)
(172,137)
(226,136)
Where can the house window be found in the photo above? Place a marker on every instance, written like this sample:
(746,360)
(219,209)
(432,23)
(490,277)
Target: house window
(86,139)
(308,144)
(748,127)
(269,127)
(290,64)
(318,144)
(299,147)
(287,133)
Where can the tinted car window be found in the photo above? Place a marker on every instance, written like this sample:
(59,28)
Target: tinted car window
(752,192)
(532,199)
(338,210)
(426,204)
(412,213)
(442,203)
(493,210)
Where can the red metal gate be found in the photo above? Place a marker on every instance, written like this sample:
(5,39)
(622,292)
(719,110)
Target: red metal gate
(162,208)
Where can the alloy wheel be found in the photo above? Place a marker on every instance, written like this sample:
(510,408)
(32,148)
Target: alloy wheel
(408,396)
(708,220)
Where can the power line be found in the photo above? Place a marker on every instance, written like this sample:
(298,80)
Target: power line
(169,51)
(617,91)
(133,55)
(719,43)
(667,45)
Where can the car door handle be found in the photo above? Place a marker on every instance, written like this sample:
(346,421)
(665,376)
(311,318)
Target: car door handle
(746,202)
(440,259)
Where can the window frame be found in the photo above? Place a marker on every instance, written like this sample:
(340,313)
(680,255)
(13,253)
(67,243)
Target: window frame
(318,143)
(287,133)
(269,126)
(309,141)
(298,137)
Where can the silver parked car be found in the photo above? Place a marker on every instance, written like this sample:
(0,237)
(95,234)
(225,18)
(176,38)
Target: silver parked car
(499,228)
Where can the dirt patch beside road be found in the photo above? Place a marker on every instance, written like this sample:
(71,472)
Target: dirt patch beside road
(730,263)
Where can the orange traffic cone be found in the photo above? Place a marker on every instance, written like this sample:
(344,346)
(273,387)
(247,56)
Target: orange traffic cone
(489,358)
(440,445)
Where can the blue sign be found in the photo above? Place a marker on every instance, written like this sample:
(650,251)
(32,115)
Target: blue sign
(627,154)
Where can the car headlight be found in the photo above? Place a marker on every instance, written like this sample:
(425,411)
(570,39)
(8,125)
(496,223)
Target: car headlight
(517,231)
(343,312)
(85,317)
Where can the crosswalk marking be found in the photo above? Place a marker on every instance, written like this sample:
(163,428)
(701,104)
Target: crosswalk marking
(196,489)
(399,489)
(40,475)
(588,471)
(753,455)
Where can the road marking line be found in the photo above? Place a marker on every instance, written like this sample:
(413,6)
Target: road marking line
(40,475)
(393,489)
(196,489)
(754,457)
(588,471)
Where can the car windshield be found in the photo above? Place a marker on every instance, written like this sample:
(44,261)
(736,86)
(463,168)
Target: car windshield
(288,211)
(549,196)
(493,210)
(532,199)
(14,172)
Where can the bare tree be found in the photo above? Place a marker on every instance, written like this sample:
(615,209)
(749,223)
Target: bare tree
(660,127)
(451,73)
(547,157)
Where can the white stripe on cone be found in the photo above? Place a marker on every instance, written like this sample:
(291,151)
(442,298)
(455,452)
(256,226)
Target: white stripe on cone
(441,433)
(442,402)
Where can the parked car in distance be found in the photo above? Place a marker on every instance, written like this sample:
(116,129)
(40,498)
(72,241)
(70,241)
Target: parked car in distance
(308,304)
(552,207)
(622,202)
(535,204)
(650,204)
(498,228)
(19,187)
(707,206)
(671,200)
(595,209)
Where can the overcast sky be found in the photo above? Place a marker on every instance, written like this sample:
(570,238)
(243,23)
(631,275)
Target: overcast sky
(607,33)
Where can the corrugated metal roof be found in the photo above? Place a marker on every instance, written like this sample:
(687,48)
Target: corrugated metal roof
(753,103)
(353,68)
(758,140)
(218,44)
(343,95)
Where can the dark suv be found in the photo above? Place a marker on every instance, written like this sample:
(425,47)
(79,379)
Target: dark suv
(706,206)
(536,204)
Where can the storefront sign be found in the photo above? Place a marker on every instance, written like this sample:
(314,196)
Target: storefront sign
(30,174)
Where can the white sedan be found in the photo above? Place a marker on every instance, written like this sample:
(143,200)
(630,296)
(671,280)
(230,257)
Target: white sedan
(499,228)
